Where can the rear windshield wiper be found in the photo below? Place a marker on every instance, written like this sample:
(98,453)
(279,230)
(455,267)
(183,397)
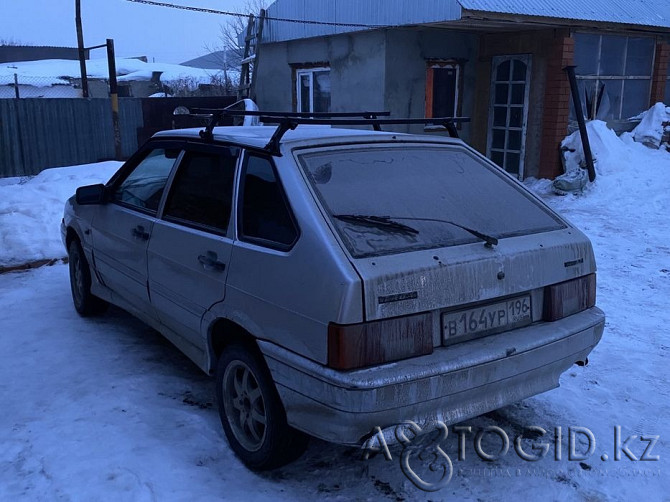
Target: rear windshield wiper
(489,240)
(390,223)
(383,222)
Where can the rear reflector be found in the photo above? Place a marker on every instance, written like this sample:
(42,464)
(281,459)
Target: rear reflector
(567,298)
(366,344)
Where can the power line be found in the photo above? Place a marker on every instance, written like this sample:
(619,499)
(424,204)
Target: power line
(238,14)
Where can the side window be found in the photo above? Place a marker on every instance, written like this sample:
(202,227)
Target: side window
(143,186)
(264,213)
(202,191)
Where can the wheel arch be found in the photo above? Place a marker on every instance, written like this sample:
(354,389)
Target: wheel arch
(222,333)
(70,235)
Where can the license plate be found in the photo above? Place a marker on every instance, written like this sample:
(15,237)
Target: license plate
(496,317)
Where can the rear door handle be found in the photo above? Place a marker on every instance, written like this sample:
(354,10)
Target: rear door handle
(139,233)
(210,262)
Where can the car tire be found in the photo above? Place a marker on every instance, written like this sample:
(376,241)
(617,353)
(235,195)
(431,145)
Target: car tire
(85,303)
(251,411)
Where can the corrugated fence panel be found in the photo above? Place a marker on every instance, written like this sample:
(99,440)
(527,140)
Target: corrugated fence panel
(131,119)
(10,151)
(40,133)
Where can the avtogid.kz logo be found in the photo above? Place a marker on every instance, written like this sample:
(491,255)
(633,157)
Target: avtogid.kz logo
(434,468)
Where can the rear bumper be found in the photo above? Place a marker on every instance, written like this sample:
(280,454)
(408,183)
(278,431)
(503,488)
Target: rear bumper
(452,384)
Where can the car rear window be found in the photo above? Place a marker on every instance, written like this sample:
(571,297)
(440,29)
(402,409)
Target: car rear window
(416,186)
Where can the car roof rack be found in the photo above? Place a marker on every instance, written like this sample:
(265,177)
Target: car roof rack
(288,121)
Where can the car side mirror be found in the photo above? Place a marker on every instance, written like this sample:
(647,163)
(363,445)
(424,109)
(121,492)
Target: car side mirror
(91,194)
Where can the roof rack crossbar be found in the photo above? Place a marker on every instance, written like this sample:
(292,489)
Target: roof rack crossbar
(217,114)
(449,123)
(290,115)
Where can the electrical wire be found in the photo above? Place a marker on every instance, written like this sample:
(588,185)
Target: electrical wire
(267,18)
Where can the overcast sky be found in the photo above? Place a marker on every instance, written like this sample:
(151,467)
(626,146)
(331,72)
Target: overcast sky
(168,35)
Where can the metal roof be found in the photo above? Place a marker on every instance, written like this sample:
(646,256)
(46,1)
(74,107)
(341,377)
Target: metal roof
(654,13)
(377,13)
(358,15)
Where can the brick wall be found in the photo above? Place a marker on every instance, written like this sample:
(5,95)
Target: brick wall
(660,75)
(556,106)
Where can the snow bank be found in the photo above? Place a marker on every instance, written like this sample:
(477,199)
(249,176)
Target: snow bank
(650,130)
(31,210)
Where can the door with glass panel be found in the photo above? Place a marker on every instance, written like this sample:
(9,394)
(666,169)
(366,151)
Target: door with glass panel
(508,114)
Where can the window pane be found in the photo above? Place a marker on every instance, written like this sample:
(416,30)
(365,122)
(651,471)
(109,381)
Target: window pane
(516,116)
(444,92)
(500,116)
(264,212)
(512,163)
(502,91)
(611,55)
(321,91)
(144,186)
(640,56)
(503,72)
(498,139)
(635,97)
(203,189)
(303,99)
(610,100)
(514,140)
(586,53)
(518,93)
(519,70)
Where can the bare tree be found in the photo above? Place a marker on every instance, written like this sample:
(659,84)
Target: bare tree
(229,51)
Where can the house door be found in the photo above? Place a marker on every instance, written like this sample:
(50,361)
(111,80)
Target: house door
(508,113)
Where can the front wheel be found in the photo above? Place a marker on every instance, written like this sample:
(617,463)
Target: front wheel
(251,411)
(80,283)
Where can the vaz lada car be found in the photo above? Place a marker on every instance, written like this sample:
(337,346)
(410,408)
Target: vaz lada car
(336,281)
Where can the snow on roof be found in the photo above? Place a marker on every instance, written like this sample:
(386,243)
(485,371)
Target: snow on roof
(637,12)
(58,71)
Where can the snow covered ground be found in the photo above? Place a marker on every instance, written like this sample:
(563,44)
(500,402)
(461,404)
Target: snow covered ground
(105,409)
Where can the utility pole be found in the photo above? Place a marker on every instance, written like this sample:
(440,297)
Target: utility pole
(114,97)
(80,45)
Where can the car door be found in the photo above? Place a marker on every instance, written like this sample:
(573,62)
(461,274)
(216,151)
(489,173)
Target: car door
(191,243)
(121,229)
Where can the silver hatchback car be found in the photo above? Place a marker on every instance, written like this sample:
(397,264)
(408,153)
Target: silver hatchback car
(337,282)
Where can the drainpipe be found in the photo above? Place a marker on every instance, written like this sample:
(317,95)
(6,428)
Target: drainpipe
(580,120)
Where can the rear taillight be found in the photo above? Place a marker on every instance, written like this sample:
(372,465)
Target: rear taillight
(570,297)
(358,345)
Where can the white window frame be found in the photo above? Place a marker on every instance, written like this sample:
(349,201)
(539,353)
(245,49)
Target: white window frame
(298,79)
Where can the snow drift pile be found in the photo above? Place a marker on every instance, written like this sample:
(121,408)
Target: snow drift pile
(609,149)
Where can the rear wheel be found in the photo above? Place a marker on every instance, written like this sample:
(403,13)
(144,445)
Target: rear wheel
(251,411)
(80,283)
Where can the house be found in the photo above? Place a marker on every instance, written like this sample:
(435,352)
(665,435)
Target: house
(499,62)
